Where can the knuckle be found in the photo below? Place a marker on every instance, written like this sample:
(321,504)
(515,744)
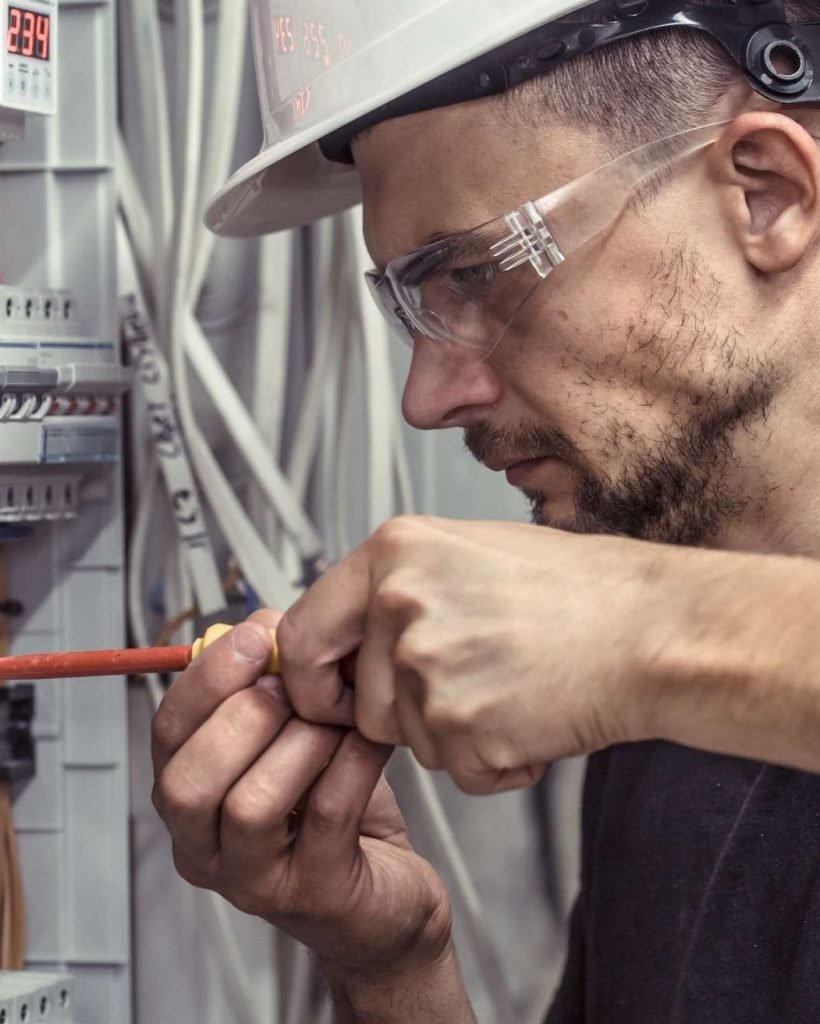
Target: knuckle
(165,731)
(414,654)
(175,798)
(473,785)
(397,534)
(199,875)
(244,712)
(294,643)
(248,810)
(371,725)
(326,814)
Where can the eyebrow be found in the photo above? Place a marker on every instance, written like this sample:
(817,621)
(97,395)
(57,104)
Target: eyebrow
(465,243)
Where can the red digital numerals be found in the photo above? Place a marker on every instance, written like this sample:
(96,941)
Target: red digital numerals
(284,40)
(29,34)
(314,42)
(301,103)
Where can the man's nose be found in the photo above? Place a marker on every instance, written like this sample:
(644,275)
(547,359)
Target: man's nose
(445,389)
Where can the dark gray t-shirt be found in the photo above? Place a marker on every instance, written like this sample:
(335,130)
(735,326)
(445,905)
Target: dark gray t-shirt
(700,899)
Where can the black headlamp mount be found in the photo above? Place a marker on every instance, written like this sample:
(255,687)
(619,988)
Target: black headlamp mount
(778,59)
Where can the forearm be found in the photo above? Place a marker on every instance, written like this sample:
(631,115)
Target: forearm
(434,994)
(735,659)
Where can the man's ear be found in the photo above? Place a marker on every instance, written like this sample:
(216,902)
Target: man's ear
(768,167)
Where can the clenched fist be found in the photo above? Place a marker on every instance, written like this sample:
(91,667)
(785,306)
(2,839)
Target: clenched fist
(490,649)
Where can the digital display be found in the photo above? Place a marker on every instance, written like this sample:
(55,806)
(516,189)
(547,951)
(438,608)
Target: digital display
(29,34)
(312,38)
(304,47)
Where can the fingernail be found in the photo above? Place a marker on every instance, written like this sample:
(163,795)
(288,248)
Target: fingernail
(249,642)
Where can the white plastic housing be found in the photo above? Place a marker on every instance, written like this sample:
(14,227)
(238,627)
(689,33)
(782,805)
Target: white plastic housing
(321,64)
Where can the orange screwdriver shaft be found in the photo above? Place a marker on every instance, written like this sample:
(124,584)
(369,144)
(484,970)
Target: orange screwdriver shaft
(95,663)
(130,661)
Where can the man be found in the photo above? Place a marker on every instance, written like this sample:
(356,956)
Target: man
(636,351)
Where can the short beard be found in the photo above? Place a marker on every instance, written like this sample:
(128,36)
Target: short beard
(675,492)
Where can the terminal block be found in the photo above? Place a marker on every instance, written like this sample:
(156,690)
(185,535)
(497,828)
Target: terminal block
(27,997)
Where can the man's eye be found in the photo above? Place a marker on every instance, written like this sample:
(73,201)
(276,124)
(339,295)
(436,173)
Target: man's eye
(480,275)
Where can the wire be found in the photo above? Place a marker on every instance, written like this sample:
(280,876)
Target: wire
(156,140)
(221,129)
(249,440)
(136,557)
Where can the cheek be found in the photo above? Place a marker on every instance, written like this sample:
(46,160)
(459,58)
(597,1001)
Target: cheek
(585,363)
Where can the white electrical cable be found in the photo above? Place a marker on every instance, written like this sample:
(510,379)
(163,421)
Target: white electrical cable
(306,434)
(156,139)
(271,350)
(257,564)
(380,402)
(226,89)
(247,437)
(463,892)
(134,210)
(136,556)
(236,983)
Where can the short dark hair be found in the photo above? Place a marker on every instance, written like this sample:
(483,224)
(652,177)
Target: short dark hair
(639,89)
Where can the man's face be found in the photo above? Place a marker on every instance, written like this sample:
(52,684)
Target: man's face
(633,393)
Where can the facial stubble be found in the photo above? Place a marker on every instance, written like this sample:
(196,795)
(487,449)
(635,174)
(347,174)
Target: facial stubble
(684,488)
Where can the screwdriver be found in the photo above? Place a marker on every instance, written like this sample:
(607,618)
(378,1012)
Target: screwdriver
(128,661)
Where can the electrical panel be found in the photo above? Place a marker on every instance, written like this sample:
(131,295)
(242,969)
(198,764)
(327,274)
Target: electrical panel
(61,518)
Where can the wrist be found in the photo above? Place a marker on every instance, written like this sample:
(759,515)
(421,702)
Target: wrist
(723,661)
(423,988)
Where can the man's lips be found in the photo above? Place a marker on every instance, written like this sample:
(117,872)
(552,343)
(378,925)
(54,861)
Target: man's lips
(502,465)
(520,473)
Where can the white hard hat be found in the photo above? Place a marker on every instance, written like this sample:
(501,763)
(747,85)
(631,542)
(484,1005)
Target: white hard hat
(328,68)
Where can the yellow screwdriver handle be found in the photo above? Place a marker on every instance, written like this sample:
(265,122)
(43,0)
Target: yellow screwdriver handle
(220,629)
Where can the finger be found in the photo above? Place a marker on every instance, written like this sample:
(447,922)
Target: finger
(412,726)
(256,814)
(267,617)
(232,663)
(195,781)
(382,818)
(486,782)
(375,681)
(328,840)
(324,625)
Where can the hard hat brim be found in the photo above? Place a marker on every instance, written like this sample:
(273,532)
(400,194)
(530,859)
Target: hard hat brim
(279,189)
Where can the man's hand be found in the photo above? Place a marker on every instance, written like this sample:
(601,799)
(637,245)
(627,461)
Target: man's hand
(488,648)
(291,821)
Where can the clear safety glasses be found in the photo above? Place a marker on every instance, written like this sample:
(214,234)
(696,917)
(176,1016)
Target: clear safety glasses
(466,289)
